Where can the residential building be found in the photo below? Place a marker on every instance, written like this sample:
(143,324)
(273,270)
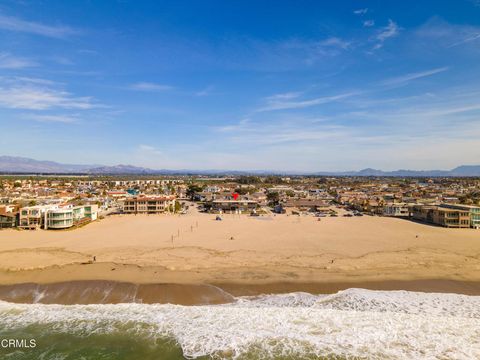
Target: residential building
(474,213)
(149,205)
(7,220)
(91,211)
(452,218)
(232,206)
(442,215)
(307,205)
(32,217)
(396,210)
(61,218)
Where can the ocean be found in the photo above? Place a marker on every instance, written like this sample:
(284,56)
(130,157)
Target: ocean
(351,324)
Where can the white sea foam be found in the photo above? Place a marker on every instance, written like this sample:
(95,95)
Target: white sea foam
(351,323)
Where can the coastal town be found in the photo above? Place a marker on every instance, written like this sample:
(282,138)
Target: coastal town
(68,202)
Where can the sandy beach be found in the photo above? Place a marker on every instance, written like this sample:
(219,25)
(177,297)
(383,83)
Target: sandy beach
(196,249)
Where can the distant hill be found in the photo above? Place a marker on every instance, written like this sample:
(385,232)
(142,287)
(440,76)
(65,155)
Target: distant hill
(464,170)
(16,164)
(119,170)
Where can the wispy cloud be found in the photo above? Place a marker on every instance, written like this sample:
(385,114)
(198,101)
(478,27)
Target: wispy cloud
(26,80)
(148,86)
(413,76)
(335,42)
(389,31)
(13,23)
(149,148)
(205,92)
(66,119)
(283,104)
(21,93)
(284,96)
(8,61)
(406,131)
(298,130)
(467,39)
(449,35)
(360,11)
(369,23)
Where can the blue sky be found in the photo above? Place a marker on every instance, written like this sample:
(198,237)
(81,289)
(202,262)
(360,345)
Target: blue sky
(277,85)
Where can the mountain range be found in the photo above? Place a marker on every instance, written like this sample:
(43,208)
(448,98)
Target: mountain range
(16,164)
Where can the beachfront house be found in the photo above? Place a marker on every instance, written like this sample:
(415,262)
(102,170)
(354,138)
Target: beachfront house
(396,210)
(32,217)
(232,206)
(7,220)
(149,204)
(66,217)
(473,213)
(447,215)
(312,205)
(56,216)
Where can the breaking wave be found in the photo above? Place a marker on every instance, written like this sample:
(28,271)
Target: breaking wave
(353,323)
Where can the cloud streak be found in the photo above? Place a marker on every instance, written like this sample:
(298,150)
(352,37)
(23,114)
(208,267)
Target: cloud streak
(276,103)
(360,11)
(400,80)
(369,23)
(16,24)
(389,31)
(148,86)
(65,119)
(8,61)
(37,95)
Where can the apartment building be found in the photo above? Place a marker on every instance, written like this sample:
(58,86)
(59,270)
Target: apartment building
(442,215)
(396,210)
(64,218)
(91,211)
(55,217)
(61,218)
(452,218)
(473,211)
(32,217)
(149,205)
(7,220)
(232,206)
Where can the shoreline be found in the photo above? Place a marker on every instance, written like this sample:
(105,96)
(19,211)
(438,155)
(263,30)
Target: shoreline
(245,275)
(99,283)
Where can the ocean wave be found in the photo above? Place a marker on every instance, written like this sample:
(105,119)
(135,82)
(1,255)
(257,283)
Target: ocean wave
(350,324)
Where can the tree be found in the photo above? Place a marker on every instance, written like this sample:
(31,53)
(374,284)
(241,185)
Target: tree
(192,189)
(273,180)
(246,180)
(241,191)
(273,198)
(178,206)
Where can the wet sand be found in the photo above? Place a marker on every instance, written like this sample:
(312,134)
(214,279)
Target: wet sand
(112,292)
